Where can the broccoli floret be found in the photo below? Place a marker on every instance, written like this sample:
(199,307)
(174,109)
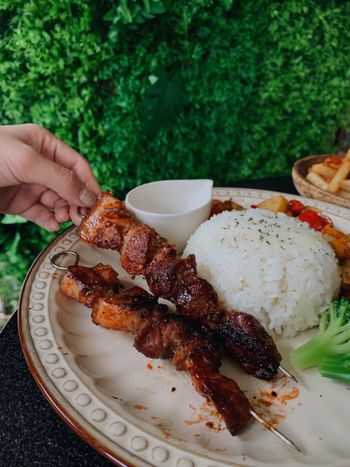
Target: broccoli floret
(336,367)
(333,337)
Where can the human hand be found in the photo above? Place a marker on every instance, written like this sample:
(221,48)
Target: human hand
(41,178)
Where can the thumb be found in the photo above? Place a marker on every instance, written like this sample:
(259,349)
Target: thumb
(63,181)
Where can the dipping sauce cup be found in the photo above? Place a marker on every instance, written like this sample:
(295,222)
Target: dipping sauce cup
(174,208)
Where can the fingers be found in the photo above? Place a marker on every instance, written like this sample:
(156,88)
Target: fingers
(49,211)
(75,214)
(84,173)
(62,212)
(59,206)
(36,158)
(42,216)
(36,168)
(49,198)
(66,156)
(44,142)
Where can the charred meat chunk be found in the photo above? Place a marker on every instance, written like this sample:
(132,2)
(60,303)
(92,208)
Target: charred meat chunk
(177,280)
(106,224)
(127,310)
(87,285)
(249,342)
(228,399)
(141,243)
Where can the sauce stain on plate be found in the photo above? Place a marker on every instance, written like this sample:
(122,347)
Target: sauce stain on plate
(206,414)
(140,407)
(163,425)
(276,398)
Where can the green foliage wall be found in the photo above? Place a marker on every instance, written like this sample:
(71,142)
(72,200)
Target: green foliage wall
(148,89)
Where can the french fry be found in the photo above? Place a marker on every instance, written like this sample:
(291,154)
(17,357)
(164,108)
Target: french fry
(323,170)
(317,180)
(341,175)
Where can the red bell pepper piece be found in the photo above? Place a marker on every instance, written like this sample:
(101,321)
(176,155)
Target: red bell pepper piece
(316,220)
(295,207)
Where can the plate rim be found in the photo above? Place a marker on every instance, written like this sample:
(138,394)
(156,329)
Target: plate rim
(47,387)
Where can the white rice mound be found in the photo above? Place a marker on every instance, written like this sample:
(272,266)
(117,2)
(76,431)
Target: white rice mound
(270,265)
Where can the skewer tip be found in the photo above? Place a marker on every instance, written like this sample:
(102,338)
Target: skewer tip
(274,430)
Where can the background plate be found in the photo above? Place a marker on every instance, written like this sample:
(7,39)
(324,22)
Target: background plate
(140,411)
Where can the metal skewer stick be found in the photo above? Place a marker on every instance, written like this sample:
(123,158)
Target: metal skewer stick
(274,430)
(287,373)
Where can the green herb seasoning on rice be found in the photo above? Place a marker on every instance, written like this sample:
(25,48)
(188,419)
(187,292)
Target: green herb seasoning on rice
(267,264)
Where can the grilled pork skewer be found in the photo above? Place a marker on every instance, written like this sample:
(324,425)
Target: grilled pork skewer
(143,251)
(158,335)
(163,336)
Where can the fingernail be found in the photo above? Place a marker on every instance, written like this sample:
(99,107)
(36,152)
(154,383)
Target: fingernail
(87,197)
(82,212)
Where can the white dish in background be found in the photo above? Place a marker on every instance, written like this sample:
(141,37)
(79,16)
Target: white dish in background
(174,208)
(123,404)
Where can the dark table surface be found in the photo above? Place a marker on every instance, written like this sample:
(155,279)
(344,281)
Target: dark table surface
(31,433)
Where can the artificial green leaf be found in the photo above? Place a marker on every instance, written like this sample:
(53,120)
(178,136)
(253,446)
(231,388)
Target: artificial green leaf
(157,8)
(109,16)
(12,250)
(163,100)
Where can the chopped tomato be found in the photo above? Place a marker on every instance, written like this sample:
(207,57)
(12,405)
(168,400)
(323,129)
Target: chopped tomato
(334,161)
(316,220)
(295,207)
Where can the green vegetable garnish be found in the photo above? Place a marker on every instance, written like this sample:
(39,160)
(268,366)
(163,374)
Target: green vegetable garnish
(336,367)
(332,339)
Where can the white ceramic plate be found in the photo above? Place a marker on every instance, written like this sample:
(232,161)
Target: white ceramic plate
(140,411)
